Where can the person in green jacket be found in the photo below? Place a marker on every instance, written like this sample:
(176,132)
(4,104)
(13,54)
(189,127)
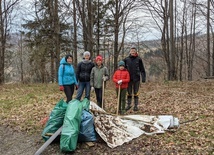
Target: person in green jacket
(99,74)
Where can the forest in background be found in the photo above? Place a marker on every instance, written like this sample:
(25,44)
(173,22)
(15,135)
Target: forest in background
(30,49)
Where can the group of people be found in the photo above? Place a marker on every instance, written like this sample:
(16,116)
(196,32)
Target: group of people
(91,76)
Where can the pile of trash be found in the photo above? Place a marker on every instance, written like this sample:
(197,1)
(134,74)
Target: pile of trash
(84,121)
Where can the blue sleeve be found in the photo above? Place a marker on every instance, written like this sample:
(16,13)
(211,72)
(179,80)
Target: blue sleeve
(60,74)
(75,79)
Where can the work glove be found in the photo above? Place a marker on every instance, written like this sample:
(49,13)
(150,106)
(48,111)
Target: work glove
(105,78)
(76,87)
(119,82)
(61,88)
(92,88)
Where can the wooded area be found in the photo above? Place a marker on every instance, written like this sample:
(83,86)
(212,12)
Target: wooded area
(30,49)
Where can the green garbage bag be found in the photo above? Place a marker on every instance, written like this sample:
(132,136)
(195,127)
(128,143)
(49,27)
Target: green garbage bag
(55,120)
(71,125)
(85,104)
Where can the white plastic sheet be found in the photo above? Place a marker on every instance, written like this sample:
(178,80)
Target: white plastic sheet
(116,130)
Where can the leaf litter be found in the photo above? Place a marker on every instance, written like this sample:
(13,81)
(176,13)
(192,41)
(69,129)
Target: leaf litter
(23,107)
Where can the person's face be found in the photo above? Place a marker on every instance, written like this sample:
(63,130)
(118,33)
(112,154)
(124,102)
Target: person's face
(133,52)
(121,67)
(99,62)
(87,57)
(69,60)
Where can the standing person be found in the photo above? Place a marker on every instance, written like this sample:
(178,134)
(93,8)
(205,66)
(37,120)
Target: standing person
(135,66)
(99,74)
(121,77)
(67,77)
(83,75)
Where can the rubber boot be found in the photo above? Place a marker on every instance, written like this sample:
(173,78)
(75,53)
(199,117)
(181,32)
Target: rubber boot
(129,103)
(123,108)
(136,104)
(99,104)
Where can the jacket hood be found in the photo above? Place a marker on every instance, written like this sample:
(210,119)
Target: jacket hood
(63,61)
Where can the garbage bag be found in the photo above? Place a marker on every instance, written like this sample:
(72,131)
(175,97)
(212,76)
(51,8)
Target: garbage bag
(87,131)
(85,104)
(55,120)
(71,125)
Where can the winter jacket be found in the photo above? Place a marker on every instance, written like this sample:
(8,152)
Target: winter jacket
(66,73)
(121,75)
(84,70)
(97,76)
(135,66)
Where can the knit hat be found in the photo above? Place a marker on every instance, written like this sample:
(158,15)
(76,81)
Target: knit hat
(86,53)
(99,58)
(133,47)
(121,63)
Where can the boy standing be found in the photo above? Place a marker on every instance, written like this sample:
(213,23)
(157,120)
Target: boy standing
(121,78)
(99,74)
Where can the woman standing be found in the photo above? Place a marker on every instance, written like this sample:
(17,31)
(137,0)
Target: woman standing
(83,75)
(67,77)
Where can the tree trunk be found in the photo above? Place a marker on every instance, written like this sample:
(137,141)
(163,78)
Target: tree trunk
(116,33)
(208,38)
(56,38)
(90,28)
(75,34)
(172,73)
(3,36)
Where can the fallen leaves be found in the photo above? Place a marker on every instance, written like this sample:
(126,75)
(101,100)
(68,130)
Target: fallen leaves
(25,107)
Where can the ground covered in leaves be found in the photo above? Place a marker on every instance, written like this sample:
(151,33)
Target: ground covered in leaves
(22,107)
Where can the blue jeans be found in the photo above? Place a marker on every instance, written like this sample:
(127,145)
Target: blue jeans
(81,87)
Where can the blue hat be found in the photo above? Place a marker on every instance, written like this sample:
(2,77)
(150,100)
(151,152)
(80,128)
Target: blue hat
(121,63)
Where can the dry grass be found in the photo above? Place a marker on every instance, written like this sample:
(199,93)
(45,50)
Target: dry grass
(22,107)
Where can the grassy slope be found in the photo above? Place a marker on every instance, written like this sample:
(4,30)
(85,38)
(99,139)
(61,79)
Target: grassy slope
(22,108)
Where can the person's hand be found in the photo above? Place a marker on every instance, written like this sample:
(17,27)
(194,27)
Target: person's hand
(76,87)
(105,78)
(61,88)
(119,82)
(92,88)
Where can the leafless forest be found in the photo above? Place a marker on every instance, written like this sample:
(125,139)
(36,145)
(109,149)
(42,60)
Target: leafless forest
(174,38)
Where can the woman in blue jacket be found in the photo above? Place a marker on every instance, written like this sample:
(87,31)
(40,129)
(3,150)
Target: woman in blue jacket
(67,77)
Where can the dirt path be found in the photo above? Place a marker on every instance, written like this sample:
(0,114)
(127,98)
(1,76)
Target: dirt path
(19,143)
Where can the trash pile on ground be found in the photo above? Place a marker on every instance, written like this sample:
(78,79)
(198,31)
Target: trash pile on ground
(84,121)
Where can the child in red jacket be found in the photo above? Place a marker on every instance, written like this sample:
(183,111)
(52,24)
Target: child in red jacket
(121,78)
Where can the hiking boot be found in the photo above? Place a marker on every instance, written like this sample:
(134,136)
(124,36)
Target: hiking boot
(128,107)
(136,108)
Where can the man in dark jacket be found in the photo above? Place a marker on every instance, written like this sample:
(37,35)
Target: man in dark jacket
(136,69)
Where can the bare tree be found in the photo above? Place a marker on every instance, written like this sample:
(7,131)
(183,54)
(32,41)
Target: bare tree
(75,33)
(6,9)
(159,11)
(208,38)
(120,9)
(86,12)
